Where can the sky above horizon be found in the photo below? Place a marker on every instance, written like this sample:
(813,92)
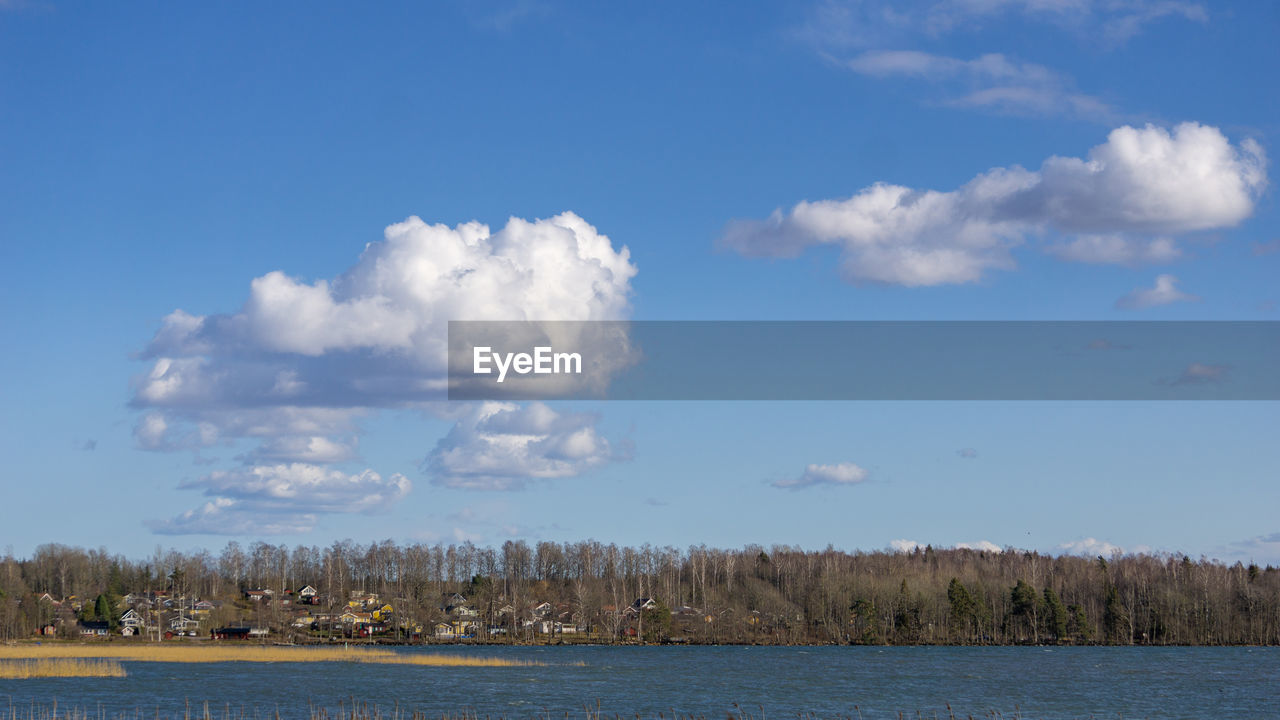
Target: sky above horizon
(233,236)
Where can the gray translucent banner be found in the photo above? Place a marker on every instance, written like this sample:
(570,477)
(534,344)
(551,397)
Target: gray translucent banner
(712,360)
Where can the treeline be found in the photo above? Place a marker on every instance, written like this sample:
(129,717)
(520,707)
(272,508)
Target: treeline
(753,594)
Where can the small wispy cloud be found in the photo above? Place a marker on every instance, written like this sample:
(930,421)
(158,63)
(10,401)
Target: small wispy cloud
(1259,548)
(1103,344)
(226,516)
(890,35)
(1270,247)
(505,16)
(838,474)
(1164,292)
(834,24)
(281,499)
(967,453)
(992,82)
(980,545)
(1116,249)
(1090,546)
(1199,374)
(908,546)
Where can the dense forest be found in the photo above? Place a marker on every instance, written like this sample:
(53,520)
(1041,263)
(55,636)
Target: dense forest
(753,594)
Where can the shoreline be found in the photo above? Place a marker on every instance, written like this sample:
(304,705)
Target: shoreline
(368,644)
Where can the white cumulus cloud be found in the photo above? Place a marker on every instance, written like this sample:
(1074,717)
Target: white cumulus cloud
(151,432)
(1141,182)
(1165,292)
(376,335)
(284,497)
(905,546)
(1091,547)
(304,448)
(982,545)
(846,473)
(301,360)
(501,446)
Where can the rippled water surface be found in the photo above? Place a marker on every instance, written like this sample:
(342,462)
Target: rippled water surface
(768,682)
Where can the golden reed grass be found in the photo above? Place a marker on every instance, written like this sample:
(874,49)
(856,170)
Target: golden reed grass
(209,653)
(49,668)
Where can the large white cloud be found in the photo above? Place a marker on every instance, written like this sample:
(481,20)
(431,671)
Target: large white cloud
(377,334)
(1141,182)
(299,357)
(301,361)
(500,446)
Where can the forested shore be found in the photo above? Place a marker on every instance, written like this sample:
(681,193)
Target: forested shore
(606,593)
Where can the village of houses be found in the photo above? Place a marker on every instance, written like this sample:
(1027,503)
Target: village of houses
(303,615)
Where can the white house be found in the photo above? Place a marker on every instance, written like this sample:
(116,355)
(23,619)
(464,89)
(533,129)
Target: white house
(132,619)
(182,624)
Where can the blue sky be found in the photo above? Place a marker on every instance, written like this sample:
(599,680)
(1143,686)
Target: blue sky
(964,159)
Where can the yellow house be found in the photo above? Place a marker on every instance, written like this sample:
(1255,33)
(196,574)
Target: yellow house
(351,617)
(384,612)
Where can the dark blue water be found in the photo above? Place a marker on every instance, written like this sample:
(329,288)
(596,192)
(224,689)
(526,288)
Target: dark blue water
(764,682)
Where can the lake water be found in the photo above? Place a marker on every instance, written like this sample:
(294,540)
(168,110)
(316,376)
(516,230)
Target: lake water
(766,682)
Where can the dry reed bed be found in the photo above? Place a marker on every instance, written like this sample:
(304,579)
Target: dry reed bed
(59,668)
(190,653)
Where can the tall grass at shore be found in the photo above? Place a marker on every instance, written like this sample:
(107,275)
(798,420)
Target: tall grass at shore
(56,668)
(208,653)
